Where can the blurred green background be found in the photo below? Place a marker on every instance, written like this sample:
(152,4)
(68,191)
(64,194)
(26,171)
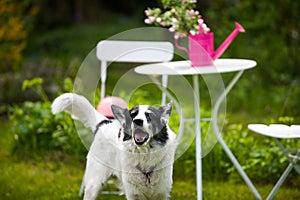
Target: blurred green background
(45,41)
(50,38)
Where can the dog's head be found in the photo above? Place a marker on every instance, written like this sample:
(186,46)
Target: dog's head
(144,124)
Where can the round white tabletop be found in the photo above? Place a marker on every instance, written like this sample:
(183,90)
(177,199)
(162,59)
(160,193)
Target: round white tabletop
(185,68)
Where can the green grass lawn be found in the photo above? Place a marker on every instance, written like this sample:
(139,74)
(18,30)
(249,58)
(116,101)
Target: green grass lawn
(58,176)
(53,179)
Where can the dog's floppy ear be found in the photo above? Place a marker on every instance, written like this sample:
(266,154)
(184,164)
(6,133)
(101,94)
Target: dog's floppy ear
(122,115)
(165,112)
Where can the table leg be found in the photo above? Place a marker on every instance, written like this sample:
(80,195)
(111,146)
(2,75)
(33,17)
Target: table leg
(221,140)
(280,181)
(198,136)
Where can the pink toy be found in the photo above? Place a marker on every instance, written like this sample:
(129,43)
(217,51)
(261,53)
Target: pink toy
(201,46)
(104,107)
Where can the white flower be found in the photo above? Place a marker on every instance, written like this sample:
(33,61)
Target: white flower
(148,21)
(206,30)
(200,21)
(174,20)
(179,16)
(171,29)
(176,36)
(151,18)
(193,32)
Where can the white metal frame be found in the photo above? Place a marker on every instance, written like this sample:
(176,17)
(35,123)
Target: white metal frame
(221,140)
(131,51)
(218,135)
(221,66)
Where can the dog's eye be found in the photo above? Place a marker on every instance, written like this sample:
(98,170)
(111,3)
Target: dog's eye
(133,113)
(148,117)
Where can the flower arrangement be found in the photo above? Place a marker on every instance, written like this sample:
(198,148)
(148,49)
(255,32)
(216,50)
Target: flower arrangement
(179,16)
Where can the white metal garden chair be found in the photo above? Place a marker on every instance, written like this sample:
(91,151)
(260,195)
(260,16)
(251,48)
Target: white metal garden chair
(277,132)
(108,51)
(132,52)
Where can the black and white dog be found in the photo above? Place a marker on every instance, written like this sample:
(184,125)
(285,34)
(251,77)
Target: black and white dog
(138,148)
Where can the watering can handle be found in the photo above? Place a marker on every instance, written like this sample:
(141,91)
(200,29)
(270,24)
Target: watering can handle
(180,47)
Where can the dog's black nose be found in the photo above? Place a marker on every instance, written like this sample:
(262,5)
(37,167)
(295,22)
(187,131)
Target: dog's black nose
(138,122)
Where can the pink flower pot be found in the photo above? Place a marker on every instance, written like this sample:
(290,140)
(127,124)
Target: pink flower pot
(201,47)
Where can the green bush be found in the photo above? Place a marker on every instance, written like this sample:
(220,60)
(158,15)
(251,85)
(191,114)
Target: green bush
(259,156)
(35,129)
(15,24)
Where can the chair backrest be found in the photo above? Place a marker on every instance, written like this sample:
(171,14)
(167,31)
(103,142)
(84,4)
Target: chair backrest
(134,51)
(131,51)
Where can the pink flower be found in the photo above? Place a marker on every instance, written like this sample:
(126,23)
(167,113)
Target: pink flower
(178,16)
(147,12)
(190,12)
(163,23)
(148,21)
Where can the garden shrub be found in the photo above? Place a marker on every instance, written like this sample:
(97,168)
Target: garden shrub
(36,129)
(259,156)
(15,23)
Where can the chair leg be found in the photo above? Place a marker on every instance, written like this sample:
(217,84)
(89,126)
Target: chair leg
(280,181)
(294,160)
(293,164)
(164,82)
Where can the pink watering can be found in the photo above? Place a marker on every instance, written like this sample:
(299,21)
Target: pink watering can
(201,47)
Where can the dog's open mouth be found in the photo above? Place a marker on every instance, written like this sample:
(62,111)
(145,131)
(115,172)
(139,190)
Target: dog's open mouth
(140,137)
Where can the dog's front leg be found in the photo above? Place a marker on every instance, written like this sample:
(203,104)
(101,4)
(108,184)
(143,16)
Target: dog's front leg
(92,189)
(136,197)
(95,178)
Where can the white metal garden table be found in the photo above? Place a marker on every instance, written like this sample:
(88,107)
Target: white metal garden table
(220,66)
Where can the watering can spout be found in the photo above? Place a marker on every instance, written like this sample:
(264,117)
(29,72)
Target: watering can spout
(227,42)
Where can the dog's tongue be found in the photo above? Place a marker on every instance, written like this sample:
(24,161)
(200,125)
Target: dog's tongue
(140,136)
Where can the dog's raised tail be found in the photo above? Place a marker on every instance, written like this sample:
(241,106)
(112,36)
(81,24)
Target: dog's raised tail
(79,108)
